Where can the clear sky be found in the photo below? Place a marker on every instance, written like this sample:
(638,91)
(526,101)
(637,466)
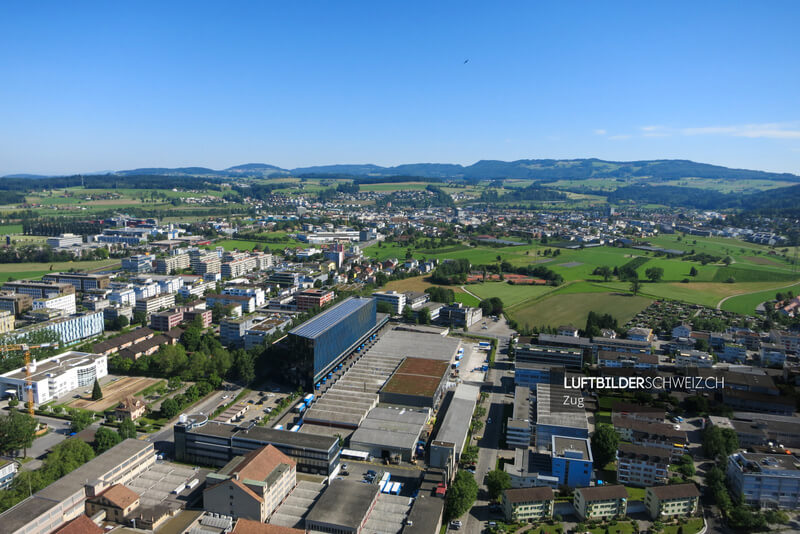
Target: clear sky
(92,86)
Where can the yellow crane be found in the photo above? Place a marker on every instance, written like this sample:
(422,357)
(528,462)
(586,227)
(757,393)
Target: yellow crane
(28,381)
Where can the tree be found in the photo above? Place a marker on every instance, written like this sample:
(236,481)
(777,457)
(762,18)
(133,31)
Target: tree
(693,271)
(461,496)
(384,307)
(409,315)
(719,441)
(174,382)
(497,482)
(140,317)
(170,408)
(104,439)
(636,285)
(80,420)
(17,431)
(686,466)
(604,445)
(424,316)
(127,429)
(491,306)
(97,393)
(654,274)
(604,271)
(66,457)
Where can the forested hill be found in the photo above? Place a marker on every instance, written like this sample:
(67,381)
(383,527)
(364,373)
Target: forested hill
(545,170)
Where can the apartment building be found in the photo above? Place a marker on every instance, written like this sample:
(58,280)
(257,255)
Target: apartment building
(659,435)
(642,466)
(600,502)
(123,296)
(251,486)
(629,360)
(154,304)
(6,321)
(256,292)
(172,264)
(310,299)
(248,304)
(238,267)
(528,504)
(676,500)
(694,358)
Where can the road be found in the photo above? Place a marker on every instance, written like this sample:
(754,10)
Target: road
(475,520)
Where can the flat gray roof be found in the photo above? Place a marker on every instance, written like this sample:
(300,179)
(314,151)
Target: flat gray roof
(391,428)
(568,416)
(55,364)
(344,503)
(295,439)
(458,416)
(562,445)
(415,344)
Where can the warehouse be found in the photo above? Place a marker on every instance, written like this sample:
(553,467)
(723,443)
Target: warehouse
(446,449)
(417,382)
(390,432)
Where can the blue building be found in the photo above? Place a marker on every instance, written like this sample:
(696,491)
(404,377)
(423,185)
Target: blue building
(70,329)
(572,461)
(319,344)
(529,374)
(554,418)
(765,480)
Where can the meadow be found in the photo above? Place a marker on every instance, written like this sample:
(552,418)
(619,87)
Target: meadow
(18,271)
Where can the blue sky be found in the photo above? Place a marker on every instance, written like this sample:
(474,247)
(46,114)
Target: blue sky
(91,86)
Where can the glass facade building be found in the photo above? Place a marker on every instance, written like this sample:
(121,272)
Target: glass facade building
(320,343)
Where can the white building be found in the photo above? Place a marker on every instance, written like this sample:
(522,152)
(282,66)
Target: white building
(123,297)
(65,240)
(65,303)
(146,290)
(170,285)
(694,358)
(395,299)
(256,292)
(56,376)
(69,329)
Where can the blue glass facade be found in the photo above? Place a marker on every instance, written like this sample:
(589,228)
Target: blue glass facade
(318,344)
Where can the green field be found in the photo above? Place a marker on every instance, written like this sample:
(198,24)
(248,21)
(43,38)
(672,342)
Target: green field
(241,244)
(18,271)
(509,294)
(574,308)
(746,304)
(467,299)
(6,229)
(399,186)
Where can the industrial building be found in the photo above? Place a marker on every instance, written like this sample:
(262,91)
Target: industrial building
(571,358)
(321,343)
(64,499)
(445,449)
(553,418)
(390,432)
(344,508)
(418,382)
(217,443)
(56,376)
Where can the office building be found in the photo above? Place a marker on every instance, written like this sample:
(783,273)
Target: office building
(247,303)
(138,263)
(675,500)
(459,315)
(123,296)
(56,376)
(65,240)
(218,443)
(80,281)
(765,480)
(64,303)
(519,427)
(38,290)
(15,303)
(6,321)
(310,299)
(258,334)
(445,449)
(258,294)
(285,278)
(571,461)
(642,466)
(528,374)
(600,502)
(320,343)
(571,358)
(69,329)
(528,504)
(232,330)
(395,299)
(694,358)
(251,486)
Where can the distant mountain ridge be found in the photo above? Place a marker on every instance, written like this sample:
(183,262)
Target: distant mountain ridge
(545,170)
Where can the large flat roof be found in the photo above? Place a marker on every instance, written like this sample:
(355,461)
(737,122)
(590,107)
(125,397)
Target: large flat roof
(321,323)
(417,376)
(296,439)
(344,503)
(567,416)
(399,342)
(55,364)
(459,414)
(390,427)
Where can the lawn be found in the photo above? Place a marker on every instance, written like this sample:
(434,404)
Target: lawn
(635,494)
(746,304)
(622,527)
(19,271)
(467,299)
(241,244)
(6,229)
(508,293)
(574,308)
(704,293)
(693,525)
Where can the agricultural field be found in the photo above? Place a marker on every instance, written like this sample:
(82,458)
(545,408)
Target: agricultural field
(7,229)
(242,244)
(509,294)
(399,186)
(747,303)
(574,308)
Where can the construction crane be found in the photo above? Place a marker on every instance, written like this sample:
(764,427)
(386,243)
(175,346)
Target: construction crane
(28,380)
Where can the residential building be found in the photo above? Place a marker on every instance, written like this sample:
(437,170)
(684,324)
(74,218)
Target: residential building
(733,353)
(154,304)
(567,330)
(757,402)
(247,303)
(632,360)
(459,315)
(765,480)
(310,299)
(8,471)
(258,333)
(528,504)
(123,341)
(138,263)
(56,376)
(118,502)
(256,292)
(238,267)
(759,429)
(600,502)
(205,262)
(642,466)
(790,341)
(232,330)
(640,334)
(130,408)
(621,345)
(172,264)
(65,303)
(395,299)
(123,296)
(694,358)
(167,319)
(80,281)
(659,435)
(251,486)
(675,500)
(772,355)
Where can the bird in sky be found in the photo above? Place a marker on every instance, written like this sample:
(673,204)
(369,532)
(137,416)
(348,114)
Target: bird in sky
(466,61)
